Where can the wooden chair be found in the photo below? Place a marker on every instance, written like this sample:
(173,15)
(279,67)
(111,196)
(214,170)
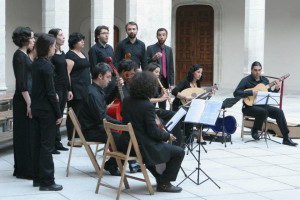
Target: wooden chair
(121,156)
(81,141)
(247,123)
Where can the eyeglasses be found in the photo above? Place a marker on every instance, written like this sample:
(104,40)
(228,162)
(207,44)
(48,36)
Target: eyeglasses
(104,33)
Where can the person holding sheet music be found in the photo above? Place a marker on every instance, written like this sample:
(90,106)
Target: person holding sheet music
(138,110)
(258,111)
(192,80)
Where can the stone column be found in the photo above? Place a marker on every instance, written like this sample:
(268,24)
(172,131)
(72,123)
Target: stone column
(56,15)
(2,46)
(254,33)
(102,13)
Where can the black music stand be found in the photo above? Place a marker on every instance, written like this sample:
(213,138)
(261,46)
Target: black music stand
(263,98)
(197,158)
(227,103)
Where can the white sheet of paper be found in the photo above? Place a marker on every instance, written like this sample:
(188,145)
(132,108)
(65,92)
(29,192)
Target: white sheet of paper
(175,119)
(195,111)
(211,112)
(261,98)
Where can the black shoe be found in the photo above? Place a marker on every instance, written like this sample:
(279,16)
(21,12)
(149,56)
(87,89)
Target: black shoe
(114,171)
(167,187)
(61,148)
(202,143)
(53,187)
(55,152)
(36,184)
(134,167)
(255,134)
(289,142)
(69,144)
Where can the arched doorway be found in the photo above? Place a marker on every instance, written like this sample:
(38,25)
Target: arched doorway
(195,40)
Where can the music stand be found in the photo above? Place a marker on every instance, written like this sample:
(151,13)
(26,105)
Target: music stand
(264,99)
(227,103)
(206,115)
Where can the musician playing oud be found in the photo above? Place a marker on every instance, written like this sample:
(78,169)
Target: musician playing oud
(191,81)
(258,111)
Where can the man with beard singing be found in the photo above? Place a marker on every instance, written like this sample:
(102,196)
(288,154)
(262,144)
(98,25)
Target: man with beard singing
(132,45)
(163,55)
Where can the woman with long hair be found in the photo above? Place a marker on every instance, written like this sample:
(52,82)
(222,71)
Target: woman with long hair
(61,80)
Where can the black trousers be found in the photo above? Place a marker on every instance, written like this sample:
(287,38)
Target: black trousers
(260,113)
(63,97)
(172,166)
(99,135)
(75,104)
(165,116)
(44,139)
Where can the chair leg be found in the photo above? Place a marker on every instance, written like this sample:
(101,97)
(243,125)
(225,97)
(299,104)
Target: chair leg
(96,151)
(92,158)
(123,176)
(242,130)
(101,173)
(145,174)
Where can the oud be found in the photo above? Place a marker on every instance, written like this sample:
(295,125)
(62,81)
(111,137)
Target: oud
(250,100)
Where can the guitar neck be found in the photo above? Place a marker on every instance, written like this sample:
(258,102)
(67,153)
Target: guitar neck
(119,87)
(280,79)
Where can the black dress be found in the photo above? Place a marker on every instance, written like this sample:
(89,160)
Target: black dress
(80,79)
(22,129)
(62,87)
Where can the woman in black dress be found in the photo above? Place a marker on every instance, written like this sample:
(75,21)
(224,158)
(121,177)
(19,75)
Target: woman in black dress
(23,37)
(46,114)
(79,75)
(61,80)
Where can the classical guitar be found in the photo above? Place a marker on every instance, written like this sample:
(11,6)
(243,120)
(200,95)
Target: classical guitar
(194,92)
(114,109)
(250,100)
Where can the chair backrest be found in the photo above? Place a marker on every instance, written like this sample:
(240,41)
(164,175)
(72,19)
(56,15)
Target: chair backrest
(76,124)
(109,126)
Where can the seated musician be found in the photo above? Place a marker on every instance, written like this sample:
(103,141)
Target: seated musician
(164,115)
(127,68)
(93,111)
(258,111)
(191,81)
(138,110)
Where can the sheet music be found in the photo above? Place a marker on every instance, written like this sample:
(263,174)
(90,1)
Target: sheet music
(195,111)
(211,112)
(261,98)
(175,119)
(204,112)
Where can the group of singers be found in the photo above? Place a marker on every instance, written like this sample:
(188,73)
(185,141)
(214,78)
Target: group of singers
(47,79)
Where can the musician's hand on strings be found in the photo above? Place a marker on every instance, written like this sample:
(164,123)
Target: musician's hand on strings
(255,92)
(157,56)
(277,85)
(172,137)
(189,98)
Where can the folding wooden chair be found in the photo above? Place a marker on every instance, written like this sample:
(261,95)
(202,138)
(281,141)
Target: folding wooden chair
(247,122)
(81,141)
(121,156)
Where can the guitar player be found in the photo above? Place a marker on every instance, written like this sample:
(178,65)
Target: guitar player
(260,112)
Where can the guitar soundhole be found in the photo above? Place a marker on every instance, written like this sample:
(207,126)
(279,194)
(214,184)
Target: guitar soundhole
(194,95)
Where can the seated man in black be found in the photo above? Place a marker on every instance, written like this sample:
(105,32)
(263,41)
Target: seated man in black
(260,112)
(93,111)
(138,110)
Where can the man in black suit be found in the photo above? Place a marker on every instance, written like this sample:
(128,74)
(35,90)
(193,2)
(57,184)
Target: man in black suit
(163,55)
(138,110)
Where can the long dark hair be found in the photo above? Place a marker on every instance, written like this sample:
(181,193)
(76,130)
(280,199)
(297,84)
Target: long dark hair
(190,75)
(43,44)
(152,66)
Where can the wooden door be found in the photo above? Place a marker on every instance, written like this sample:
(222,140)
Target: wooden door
(195,41)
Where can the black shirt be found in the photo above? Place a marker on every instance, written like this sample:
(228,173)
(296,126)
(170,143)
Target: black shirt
(98,54)
(61,73)
(23,72)
(184,84)
(250,82)
(80,74)
(93,109)
(136,49)
(43,91)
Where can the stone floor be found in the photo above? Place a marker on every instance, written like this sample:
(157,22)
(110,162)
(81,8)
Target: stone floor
(245,171)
